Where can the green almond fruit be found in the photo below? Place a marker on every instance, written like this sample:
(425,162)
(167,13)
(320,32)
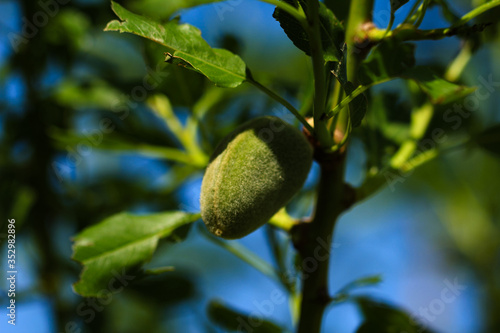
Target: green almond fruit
(252,173)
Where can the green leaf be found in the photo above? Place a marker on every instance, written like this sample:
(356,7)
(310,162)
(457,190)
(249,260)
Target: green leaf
(489,139)
(332,31)
(232,320)
(382,317)
(118,243)
(186,46)
(439,90)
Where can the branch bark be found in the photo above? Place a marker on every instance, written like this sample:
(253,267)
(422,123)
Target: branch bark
(311,237)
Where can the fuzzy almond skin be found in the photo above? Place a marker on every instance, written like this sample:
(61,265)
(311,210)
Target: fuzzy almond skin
(253,172)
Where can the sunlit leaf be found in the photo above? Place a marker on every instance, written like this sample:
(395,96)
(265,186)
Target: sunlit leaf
(118,243)
(186,46)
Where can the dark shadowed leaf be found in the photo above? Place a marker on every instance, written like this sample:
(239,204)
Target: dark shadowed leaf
(235,321)
(388,60)
(167,288)
(118,243)
(382,317)
(332,31)
(339,8)
(489,140)
(186,46)
(392,59)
